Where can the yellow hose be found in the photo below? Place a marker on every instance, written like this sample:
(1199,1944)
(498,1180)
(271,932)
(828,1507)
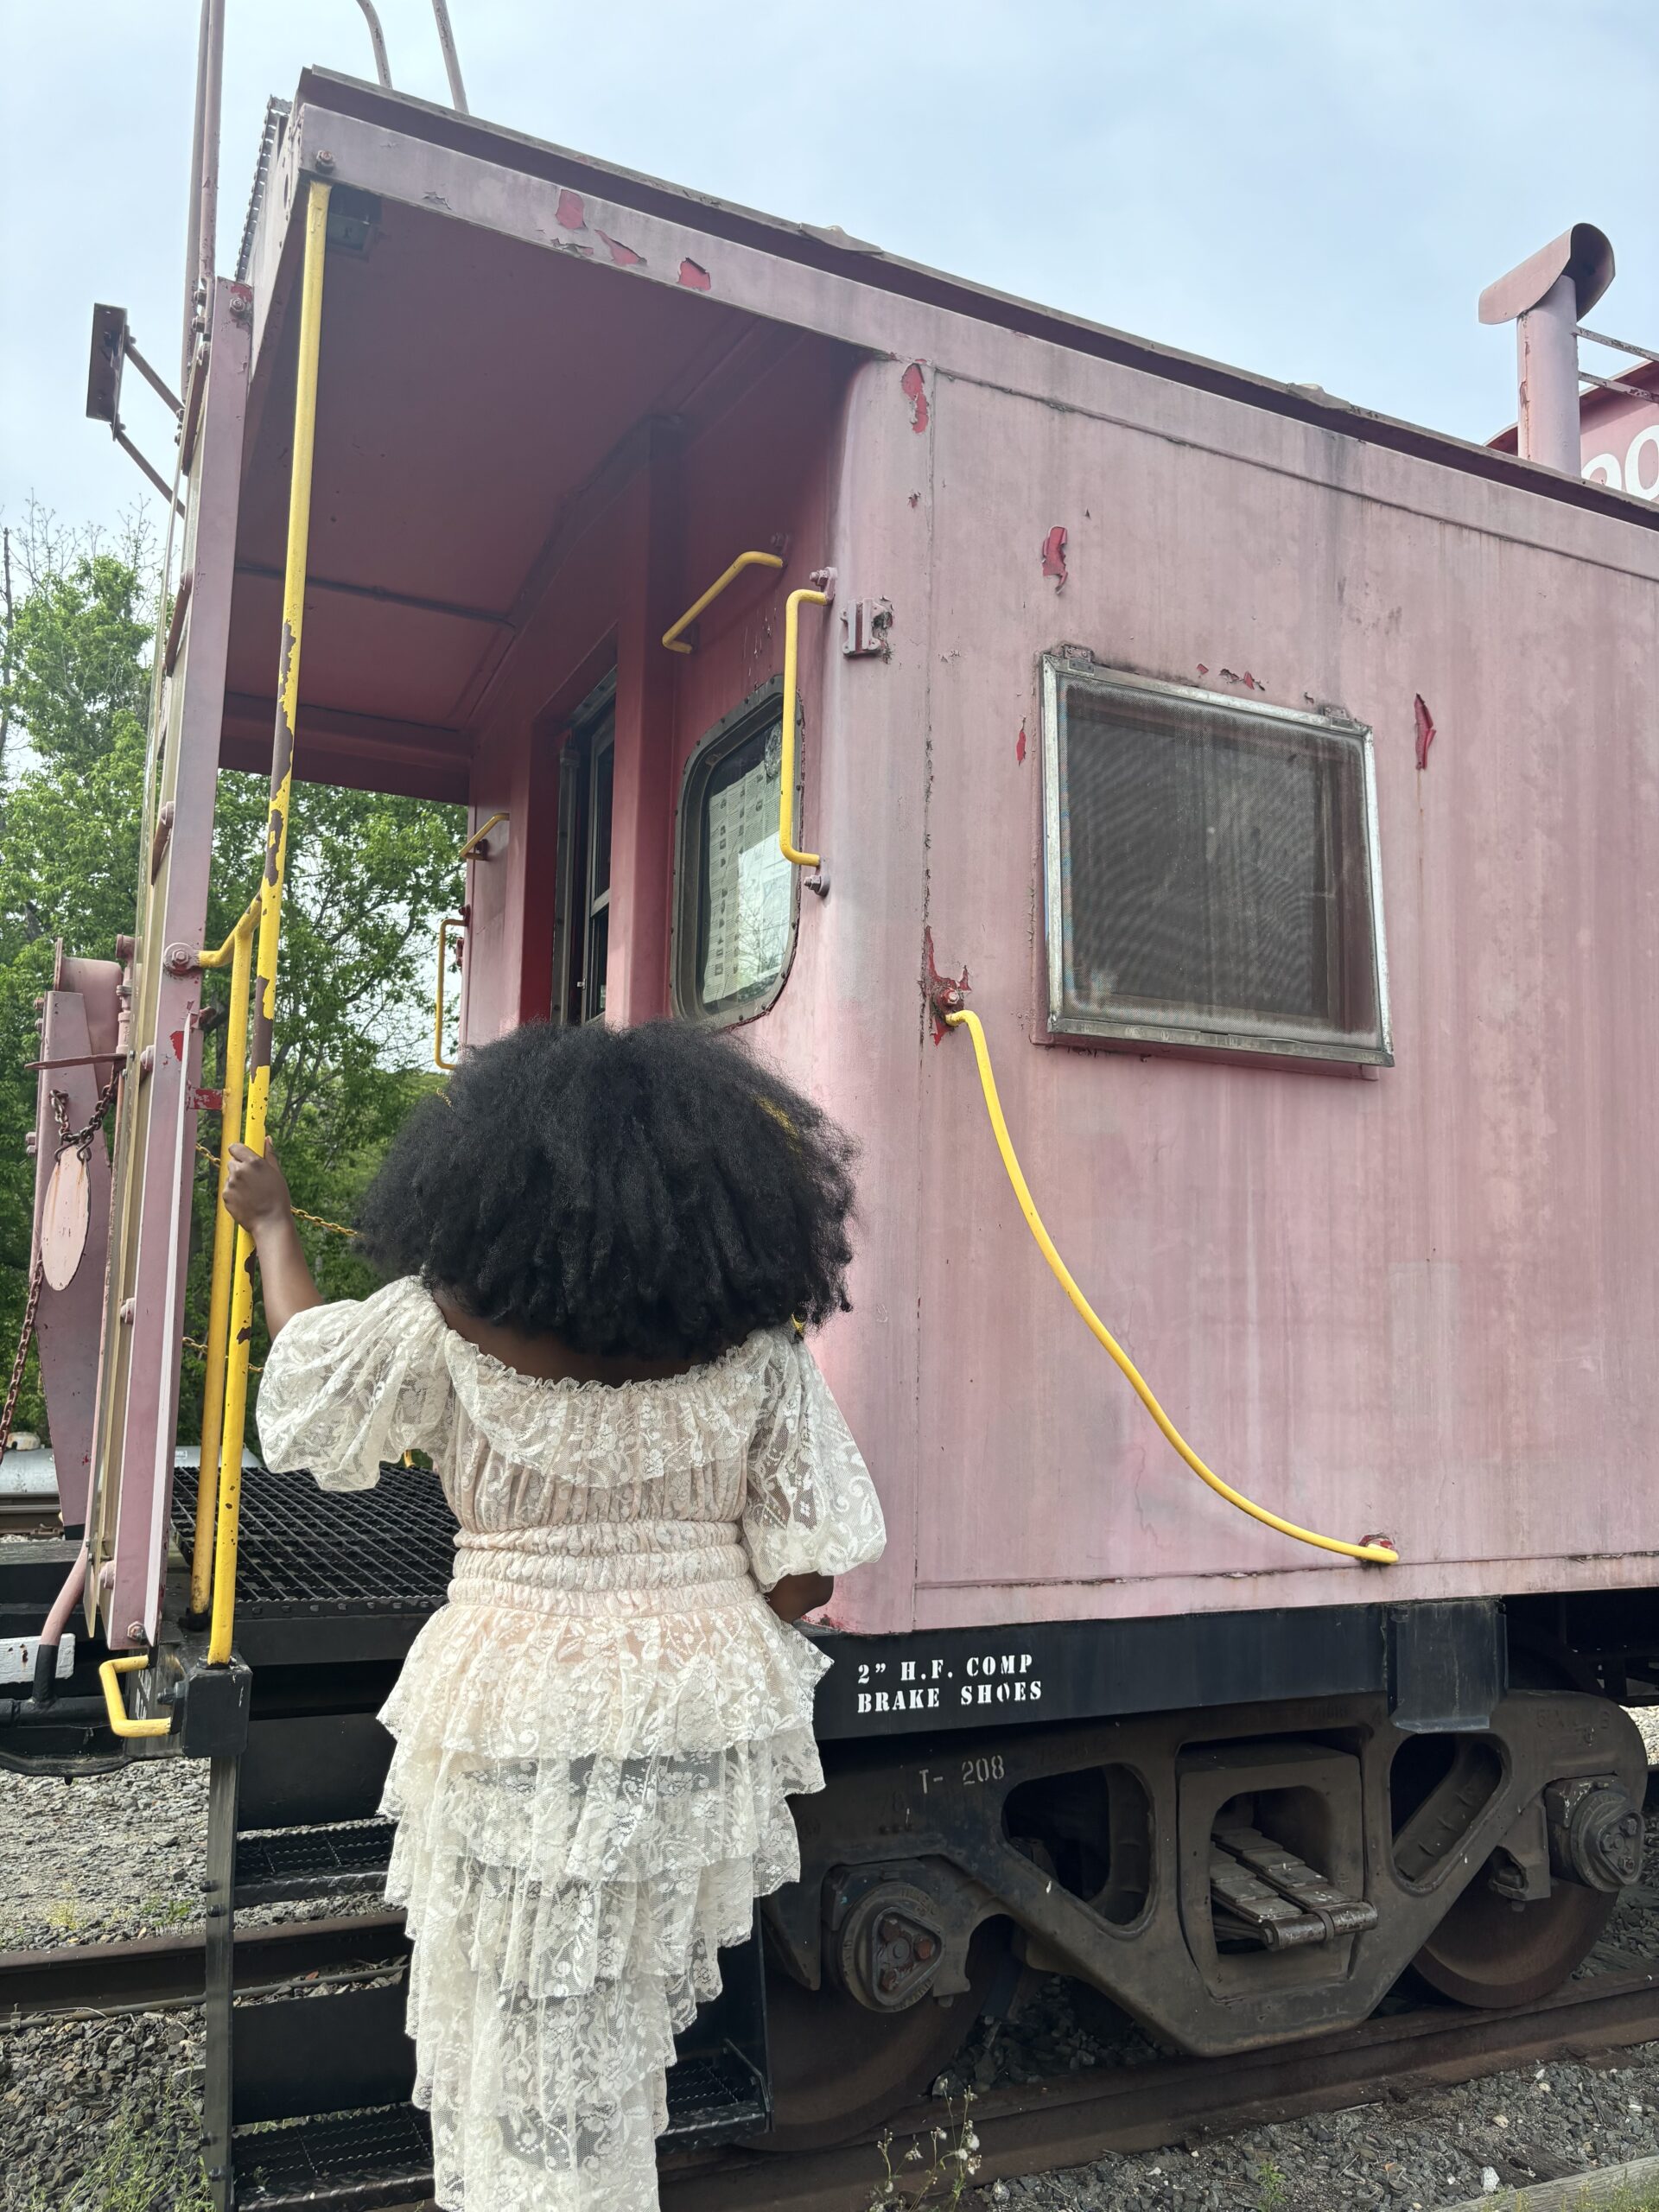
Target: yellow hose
(1374,1555)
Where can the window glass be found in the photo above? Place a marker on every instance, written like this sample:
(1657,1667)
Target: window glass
(1210,872)
(737,892)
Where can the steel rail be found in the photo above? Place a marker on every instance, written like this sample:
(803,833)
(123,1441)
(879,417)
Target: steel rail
(155,1972)
(1069,2119)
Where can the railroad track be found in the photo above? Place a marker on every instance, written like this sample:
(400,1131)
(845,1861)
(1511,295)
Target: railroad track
(1066,2120)
(1073,2117)
(155,1972)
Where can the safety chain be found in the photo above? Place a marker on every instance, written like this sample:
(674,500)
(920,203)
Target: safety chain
(317,1220)
(9,1408)
(81,1140)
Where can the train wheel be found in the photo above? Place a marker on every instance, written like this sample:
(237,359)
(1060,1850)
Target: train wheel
(1491,1953)
(839,2069)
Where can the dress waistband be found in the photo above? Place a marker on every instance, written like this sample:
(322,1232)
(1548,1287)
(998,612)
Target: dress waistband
(559,1568)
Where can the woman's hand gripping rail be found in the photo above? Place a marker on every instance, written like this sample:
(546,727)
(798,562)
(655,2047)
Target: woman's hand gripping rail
(255,1195)
(1372,1553)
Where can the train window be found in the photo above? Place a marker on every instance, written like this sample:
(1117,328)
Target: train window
(737,900)
(1211,871)
(583,891)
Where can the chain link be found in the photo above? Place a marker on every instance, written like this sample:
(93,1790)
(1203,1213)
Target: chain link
(9,1410)
(80,1142)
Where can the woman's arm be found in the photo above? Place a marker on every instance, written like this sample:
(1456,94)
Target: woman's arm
(256,1194)
(800,1593)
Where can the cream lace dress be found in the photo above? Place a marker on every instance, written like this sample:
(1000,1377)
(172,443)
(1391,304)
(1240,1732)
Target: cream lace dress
(597,1736)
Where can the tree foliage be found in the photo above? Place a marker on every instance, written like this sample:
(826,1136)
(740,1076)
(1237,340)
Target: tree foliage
(367,875)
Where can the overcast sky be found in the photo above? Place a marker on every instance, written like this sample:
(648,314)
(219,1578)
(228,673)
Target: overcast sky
(1315,189)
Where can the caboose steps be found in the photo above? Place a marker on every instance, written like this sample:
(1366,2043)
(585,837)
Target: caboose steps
(288,1866)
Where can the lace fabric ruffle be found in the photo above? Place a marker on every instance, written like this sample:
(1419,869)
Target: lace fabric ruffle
(568,1905)
(598,1737)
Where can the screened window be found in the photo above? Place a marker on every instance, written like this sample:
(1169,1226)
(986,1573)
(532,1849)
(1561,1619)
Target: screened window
(736,899)
(1212,872)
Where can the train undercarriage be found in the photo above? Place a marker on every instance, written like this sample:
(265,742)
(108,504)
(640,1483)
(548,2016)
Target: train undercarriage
(1240,1830)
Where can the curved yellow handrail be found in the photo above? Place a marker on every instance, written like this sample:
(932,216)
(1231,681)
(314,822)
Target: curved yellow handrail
(449,922)
(1373,1554)
(672,638)
(134,1663)
(792,606)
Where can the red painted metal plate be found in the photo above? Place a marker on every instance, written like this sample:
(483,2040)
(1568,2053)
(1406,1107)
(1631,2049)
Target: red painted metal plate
(63,1221)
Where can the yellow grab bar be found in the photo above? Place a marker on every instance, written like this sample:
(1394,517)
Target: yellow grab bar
(449,922)
(270,911)
(134,1663)
(672,638)
(473,849)
(792,606)
(238,950)
(1376,1555)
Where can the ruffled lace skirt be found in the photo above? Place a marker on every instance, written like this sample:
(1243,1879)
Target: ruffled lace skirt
(591,1782)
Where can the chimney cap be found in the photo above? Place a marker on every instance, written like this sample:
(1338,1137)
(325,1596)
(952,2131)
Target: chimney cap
(1584,253)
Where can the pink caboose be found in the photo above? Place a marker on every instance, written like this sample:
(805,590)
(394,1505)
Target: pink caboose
(1278,785)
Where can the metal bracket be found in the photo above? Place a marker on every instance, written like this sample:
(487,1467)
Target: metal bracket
(865,624)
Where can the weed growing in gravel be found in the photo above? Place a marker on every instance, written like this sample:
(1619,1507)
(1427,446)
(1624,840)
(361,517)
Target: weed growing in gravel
(940,2180)
(144,2162)
(166,1912)
(64,1917)
(1275,2190)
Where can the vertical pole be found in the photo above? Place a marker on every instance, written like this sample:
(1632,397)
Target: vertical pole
(1546,342)
(219,1303)
(203,240)
(219,1990)
(271,909)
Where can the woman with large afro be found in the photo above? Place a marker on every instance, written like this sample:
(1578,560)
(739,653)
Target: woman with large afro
(604,1247)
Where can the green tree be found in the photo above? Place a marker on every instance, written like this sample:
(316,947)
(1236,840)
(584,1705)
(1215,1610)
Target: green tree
(367,875)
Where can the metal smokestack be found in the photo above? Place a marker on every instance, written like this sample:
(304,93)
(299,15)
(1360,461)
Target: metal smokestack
(1546,298)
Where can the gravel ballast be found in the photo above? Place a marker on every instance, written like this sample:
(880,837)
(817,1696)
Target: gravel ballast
(99,2116)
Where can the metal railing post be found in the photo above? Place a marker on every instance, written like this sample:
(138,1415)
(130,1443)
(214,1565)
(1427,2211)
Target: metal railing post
(270,911)
(237,951)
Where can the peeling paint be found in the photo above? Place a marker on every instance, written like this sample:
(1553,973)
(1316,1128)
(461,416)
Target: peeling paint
(1426,732)
(1203,668)
(693,273)
(913,385)
(623,256)
(570,214)
(1243,676)
(1054,555)
(175,1038)
(1020,746)
(915,499)
(936,987)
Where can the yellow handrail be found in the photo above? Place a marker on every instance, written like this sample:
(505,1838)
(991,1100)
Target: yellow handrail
(792,608)
(449,922)
(270,911)
(671,637)
(1376,1555)
(134,1663)
(473,849)
(237,951)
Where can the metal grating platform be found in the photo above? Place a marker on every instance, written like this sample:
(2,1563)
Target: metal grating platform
(301,1549)
(713,2097)
(313,1862)
(350,2161)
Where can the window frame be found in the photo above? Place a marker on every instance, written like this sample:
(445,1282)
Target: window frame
(589,732)
(1194,1033)
(732,730)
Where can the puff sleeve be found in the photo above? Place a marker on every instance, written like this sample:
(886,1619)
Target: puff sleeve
(810,1506)
(351,1385)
